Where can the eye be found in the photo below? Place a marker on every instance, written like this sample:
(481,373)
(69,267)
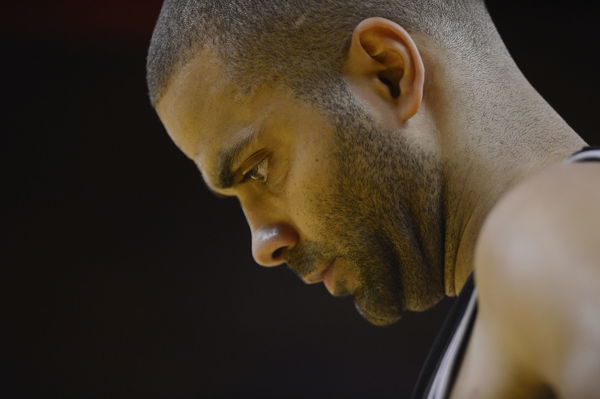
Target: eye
(257,173)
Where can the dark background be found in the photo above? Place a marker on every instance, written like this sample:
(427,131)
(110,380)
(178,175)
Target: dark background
(123,277)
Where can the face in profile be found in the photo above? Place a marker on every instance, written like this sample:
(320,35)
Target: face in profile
(340,197)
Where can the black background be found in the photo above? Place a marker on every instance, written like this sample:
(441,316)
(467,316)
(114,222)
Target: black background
(123,277)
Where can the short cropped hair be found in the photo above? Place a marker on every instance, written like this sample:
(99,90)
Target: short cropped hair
(296,41)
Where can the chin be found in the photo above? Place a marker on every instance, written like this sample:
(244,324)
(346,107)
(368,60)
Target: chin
(424,303)
(379,318)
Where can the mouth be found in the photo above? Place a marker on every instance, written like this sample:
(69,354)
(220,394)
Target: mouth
(322,274)
(329,278)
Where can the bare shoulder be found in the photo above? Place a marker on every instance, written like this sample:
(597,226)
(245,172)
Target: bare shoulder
(552,213)
(537,268)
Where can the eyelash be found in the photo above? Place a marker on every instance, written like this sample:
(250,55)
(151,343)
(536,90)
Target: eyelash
(251,173)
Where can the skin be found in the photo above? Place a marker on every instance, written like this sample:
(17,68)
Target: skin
(386,199)
(537,333)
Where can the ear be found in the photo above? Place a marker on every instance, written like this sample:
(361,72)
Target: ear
(383,58)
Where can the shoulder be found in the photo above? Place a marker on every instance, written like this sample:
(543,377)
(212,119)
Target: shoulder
(537,267)
(552,213)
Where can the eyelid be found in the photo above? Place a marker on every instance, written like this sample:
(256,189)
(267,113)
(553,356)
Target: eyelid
(251,163)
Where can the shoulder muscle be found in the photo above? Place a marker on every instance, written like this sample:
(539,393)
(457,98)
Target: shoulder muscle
(537,266)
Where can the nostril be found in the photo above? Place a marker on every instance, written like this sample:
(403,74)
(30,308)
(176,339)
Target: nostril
(278,253)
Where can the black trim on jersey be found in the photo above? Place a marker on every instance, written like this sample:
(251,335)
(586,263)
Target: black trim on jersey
(586,149)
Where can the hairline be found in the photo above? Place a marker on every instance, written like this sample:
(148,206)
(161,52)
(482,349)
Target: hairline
(169,53)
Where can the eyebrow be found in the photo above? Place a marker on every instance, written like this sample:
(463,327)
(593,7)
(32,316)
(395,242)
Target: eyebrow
(227,159)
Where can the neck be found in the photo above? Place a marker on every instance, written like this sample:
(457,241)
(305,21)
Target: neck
(495,130)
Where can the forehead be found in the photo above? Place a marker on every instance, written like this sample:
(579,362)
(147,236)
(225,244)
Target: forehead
(204,111)
(192,102)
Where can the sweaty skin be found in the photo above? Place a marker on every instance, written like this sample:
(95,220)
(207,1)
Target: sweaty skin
(385,199)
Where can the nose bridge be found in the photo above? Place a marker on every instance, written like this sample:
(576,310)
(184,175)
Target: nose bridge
(272,232)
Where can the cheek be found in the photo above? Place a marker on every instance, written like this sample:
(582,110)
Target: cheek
(309,187)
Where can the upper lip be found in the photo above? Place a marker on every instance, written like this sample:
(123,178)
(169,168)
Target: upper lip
(317,276)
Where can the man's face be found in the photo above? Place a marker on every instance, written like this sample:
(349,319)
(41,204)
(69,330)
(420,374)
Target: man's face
(339,198)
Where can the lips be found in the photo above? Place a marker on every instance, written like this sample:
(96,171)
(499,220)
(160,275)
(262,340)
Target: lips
(328,278)
(322,274)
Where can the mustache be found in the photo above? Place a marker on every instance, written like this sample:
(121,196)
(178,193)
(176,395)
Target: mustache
(302,259)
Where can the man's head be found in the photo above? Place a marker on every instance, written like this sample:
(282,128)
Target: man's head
(298,42)
(312,115)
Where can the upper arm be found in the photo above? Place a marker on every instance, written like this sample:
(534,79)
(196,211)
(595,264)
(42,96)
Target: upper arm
(537,266)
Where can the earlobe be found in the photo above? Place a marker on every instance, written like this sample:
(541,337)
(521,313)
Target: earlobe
(383,56)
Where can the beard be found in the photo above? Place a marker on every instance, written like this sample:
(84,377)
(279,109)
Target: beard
(381,220)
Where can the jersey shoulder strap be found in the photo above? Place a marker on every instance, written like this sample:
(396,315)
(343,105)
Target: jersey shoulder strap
(586,154)
(434,364)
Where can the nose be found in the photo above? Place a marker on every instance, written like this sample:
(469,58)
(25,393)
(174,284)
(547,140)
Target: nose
(270,243)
